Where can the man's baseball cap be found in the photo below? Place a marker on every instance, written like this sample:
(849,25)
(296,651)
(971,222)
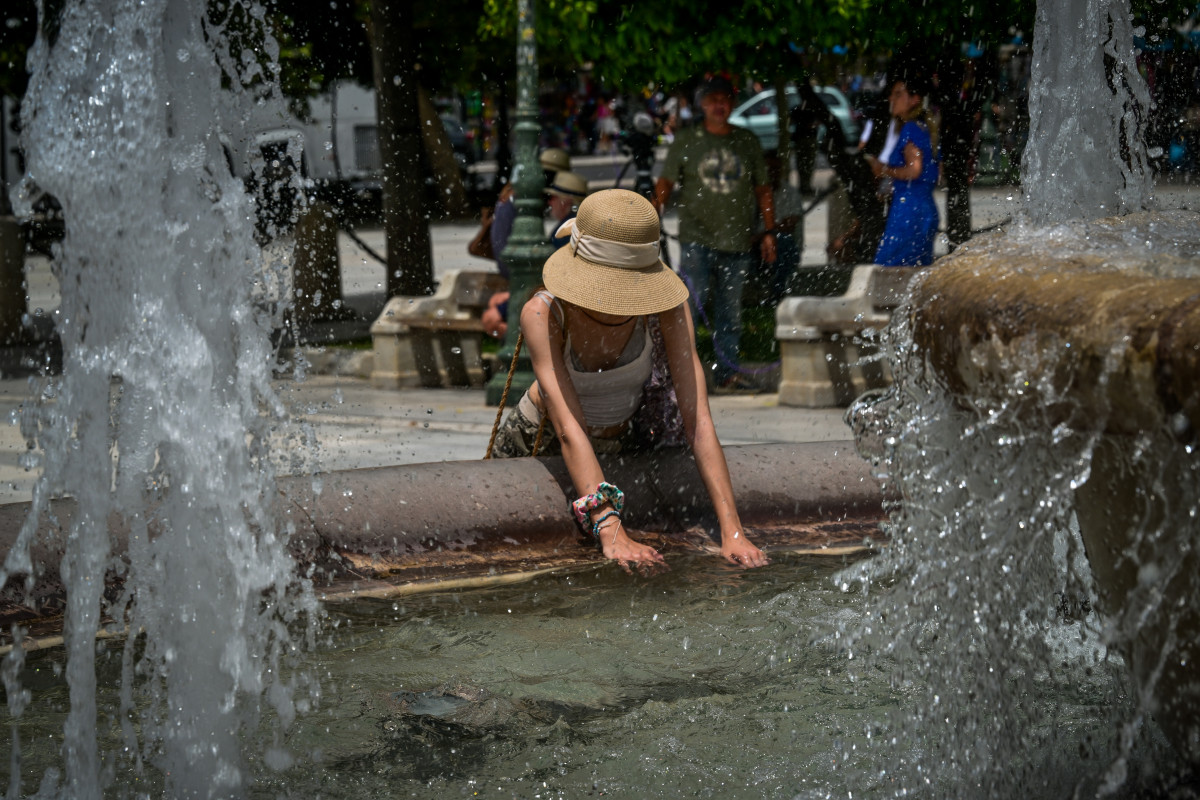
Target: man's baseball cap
(716,84)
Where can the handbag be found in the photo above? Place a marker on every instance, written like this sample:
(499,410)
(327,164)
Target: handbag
(481,245)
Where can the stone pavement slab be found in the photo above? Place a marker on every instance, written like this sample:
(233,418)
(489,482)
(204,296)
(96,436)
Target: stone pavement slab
(359,426)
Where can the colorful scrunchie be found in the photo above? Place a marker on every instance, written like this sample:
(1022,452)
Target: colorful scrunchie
(605,493)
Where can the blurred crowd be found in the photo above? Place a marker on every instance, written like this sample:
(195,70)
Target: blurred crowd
(585,118)
(890,136)
(589,121)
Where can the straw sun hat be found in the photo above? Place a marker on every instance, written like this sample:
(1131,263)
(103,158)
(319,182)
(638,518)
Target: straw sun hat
(612,264)
(568,184)
(555,159)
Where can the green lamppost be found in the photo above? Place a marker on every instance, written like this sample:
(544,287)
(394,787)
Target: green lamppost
(528,247)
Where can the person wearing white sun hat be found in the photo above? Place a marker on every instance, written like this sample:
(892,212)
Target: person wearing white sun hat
(610,313)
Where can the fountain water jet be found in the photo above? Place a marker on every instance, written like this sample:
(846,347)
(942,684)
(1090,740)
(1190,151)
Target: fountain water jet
(1041,437)
(1086,154)
(158,418)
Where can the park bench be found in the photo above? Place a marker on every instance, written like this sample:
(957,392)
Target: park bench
(826,343)
(435,340)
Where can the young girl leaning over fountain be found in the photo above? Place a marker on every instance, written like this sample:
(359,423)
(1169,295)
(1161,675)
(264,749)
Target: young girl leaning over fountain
(609,307)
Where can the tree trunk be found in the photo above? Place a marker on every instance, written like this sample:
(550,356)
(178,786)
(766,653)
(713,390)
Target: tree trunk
(406,223)
(5,179)
(850,167)
(959,104)
(452,195)
(958,137)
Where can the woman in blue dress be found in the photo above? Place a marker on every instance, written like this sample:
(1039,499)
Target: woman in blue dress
(912,221)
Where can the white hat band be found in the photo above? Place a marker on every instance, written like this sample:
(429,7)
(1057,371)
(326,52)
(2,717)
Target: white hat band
(626,255)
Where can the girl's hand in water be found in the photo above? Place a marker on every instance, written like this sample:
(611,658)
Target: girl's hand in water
(617,545)
(737,549)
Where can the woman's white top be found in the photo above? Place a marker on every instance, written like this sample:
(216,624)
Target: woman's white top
(892,139)
(610,396)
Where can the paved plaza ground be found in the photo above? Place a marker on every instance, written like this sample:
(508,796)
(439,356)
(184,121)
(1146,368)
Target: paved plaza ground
(358,426)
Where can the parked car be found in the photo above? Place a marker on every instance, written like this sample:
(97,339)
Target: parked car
(758,114)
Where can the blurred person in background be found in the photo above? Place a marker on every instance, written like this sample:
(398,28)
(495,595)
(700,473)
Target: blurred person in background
(563,196)
(789,232)
(723,188)
(553,161)
(912,220)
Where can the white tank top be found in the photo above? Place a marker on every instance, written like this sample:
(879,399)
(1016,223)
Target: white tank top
(611,396)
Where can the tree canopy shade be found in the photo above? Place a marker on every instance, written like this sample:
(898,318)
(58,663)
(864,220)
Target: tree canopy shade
(673,41)
(18,28)
(322,41)
(466,44)
(632,44)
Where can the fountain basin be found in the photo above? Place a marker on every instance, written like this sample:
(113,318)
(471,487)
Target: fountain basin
(974,316)
(394,530)
(1093,330)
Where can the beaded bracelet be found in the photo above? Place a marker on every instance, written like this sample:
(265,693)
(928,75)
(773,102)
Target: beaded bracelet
(606,515)
(605,493)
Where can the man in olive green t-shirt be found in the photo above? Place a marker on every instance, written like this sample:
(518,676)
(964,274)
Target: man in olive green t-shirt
(723,186)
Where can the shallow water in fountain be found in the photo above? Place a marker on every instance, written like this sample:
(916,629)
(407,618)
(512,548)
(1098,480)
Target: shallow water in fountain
(707,681)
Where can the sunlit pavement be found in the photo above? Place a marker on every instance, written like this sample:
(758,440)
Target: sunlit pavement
(363,276)
(358,426)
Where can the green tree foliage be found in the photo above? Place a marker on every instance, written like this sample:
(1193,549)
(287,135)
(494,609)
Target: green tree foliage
(18,28)
(451,55)
(632,44)
(322,41)
(929,27)
(563,26)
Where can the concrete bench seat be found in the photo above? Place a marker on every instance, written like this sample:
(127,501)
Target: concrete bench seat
(824,341)
(435,340)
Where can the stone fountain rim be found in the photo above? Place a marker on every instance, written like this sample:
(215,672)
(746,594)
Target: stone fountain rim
(817,498)
(1123,332)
